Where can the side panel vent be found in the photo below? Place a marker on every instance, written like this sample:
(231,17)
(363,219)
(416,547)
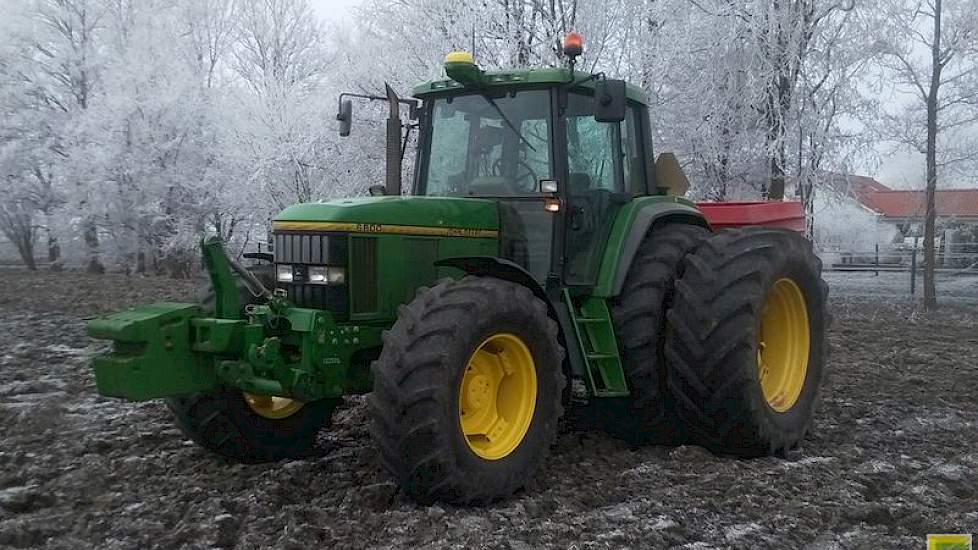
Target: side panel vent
(363,275)
(419,264)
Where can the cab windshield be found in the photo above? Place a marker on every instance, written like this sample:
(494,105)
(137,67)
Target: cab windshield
(482,145)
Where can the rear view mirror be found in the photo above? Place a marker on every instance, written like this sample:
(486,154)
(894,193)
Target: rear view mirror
(609,100)
(345,116)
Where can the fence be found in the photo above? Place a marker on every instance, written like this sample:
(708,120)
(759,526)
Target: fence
(950,263)
(900,258)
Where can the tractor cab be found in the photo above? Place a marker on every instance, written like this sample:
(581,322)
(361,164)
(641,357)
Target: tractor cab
(560,151)
(534,144)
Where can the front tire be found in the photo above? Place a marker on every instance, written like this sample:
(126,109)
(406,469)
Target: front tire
(467,391)
(249,428)
(232,424)
(746,349)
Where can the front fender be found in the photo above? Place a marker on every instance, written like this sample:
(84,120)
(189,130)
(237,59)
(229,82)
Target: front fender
(501,268)
(493,266)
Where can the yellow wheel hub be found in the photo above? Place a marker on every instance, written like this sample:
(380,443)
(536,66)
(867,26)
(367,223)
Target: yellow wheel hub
(497,396)
(783,345)
(272,407)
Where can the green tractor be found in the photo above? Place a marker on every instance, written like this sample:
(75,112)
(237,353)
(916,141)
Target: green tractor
(541,260)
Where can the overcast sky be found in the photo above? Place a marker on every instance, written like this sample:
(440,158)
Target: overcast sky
(334,10)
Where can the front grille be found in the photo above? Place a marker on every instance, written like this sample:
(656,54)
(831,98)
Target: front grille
(363,274)
(305,249)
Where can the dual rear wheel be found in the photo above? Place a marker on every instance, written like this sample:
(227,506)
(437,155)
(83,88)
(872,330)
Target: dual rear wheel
(745,352)
(722,340)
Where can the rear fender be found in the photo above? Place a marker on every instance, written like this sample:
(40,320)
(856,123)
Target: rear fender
(632,223)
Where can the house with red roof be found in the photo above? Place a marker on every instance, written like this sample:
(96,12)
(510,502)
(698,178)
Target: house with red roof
(904,207)
(904,210)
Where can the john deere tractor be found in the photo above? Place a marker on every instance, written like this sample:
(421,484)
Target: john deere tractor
(542,259)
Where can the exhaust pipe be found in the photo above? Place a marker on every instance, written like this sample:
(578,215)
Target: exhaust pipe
(393,165)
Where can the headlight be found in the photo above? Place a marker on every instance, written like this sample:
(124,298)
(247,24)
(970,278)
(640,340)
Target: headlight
(317,274)
(284,273)
(336,275)
(326,275)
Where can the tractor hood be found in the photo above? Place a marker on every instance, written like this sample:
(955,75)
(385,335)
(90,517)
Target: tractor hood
(435,216)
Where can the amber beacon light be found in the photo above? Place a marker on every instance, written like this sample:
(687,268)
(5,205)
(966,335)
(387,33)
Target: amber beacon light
(573,44)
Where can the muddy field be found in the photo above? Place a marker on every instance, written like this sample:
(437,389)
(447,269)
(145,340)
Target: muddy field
(894,455)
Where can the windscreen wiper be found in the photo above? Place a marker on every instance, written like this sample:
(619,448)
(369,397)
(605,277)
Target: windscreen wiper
(508,122)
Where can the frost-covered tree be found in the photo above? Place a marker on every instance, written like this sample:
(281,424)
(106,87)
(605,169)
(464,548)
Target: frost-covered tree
(929,50)
(131,127)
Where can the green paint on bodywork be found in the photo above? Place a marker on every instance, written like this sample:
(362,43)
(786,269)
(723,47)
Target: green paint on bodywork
(300,353)
(417,211)
(406,263)
(168,349)
(516,78)
(613,262)
(151,355)
(163,350)
(226,302)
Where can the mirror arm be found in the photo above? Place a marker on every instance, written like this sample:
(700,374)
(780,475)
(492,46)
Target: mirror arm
(572,83)
(414,104)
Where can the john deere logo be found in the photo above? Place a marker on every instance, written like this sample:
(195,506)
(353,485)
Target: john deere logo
(949,542)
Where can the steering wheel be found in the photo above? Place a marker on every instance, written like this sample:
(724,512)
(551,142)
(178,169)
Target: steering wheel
(523,171)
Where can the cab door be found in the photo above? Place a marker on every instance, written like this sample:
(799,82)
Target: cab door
(603,164)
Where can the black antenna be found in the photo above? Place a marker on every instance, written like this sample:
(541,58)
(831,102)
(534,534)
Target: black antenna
(473,40)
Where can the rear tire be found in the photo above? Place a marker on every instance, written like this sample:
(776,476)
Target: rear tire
(223,422)
(648,415)
(721,323)
(422,390)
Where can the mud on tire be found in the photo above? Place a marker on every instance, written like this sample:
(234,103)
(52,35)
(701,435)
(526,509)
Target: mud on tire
(712,345)
(415,406)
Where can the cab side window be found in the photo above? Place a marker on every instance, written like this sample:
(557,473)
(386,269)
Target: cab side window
(633,165)
(590,147)
(595,186)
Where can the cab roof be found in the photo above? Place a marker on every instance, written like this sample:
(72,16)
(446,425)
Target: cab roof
(517,78)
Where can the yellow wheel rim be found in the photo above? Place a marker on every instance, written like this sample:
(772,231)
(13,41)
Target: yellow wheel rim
(497,396)
(272,407)
(783,345)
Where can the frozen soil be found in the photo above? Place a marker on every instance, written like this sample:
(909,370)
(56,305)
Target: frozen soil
(893,456)
(959,289)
